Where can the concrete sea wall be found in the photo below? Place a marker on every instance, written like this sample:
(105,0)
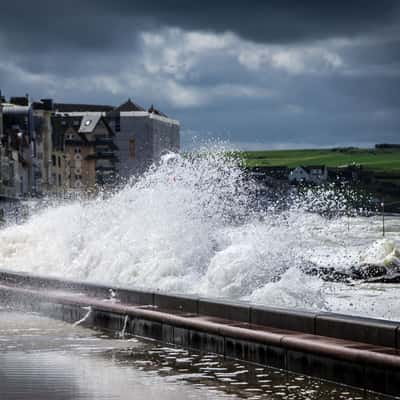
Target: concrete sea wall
(360,352)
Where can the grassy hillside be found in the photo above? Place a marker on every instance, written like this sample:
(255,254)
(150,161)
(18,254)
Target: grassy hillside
(379,160)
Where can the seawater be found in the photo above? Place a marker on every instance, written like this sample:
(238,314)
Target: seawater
(45,359)
(193,225)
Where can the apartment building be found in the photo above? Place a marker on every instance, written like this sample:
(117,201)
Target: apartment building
(60,148)
(84,152)
(142,137)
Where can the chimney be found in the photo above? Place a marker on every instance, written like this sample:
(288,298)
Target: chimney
(47,104)
(19,101)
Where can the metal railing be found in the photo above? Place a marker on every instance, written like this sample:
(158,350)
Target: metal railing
(383,204)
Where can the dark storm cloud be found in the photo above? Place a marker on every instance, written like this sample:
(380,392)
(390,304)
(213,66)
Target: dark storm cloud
(100,24)
(293,72)
(271,21)
(50,27)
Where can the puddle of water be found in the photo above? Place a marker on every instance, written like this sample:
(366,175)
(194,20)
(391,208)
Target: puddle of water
(45,359)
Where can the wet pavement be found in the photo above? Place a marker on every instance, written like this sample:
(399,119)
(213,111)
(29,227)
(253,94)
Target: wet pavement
(44,359)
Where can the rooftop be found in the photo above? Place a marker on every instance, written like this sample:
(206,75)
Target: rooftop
(154,110)
(71,107)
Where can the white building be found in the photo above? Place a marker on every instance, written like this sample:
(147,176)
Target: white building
(311,174)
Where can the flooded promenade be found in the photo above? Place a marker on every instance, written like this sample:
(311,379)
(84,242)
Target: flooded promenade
(47,359)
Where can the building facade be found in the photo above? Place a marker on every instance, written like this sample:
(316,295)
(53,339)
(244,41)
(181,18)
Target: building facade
(142,137)
(84,153)
(60,148)
(43,145)
(316,174)
(16,150)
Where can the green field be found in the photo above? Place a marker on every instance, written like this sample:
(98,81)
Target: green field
(379,160)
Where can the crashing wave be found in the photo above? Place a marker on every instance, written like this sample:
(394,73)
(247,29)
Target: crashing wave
(189,225)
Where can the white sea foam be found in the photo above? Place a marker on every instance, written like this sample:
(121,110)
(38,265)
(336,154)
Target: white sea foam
(188,226)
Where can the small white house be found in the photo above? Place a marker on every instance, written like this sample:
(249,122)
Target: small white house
(310,174)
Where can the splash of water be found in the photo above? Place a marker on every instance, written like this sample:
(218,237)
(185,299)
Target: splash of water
(189,225)
(84,318)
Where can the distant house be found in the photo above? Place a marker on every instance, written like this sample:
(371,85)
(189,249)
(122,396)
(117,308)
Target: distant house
(54,148)
(142,136)
(309,174)
(18,177)
(279,173)
(84,152)
(348,173)
(25,147)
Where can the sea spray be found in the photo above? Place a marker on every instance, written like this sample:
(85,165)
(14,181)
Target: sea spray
(85,318)
(194,225)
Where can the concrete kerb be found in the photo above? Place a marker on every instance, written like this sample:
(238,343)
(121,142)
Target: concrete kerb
(360,329)
(300,321)
(373,331)
(138,297)
(228,310)
(182,304)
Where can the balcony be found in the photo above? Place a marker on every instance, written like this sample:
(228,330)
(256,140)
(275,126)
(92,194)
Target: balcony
(74,142)
(103,154)
(105,169)
(105,142)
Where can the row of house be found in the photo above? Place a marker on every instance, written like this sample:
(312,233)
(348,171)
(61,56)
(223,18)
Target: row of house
(60,148)
(311,174)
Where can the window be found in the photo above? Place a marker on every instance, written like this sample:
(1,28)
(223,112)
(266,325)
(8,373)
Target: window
(77,149)
(132,149)
(118,123)
(59,162)
(59,180)
(53,159)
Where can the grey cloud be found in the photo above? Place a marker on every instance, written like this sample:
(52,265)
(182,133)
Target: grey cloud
(96,25)
(92,51)
(273,21)
(50,27)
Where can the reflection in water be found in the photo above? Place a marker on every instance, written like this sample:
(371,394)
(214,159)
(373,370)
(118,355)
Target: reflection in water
(46,359)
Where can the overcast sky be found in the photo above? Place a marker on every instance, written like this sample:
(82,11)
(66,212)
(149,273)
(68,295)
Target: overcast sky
(260,74)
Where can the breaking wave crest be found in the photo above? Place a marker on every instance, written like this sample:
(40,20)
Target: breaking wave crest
(194,225)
